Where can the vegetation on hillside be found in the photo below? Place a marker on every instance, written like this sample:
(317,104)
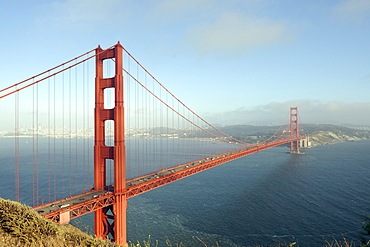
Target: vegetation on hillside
(366,232)
(22,226)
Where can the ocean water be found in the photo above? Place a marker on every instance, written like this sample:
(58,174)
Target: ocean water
(268,197)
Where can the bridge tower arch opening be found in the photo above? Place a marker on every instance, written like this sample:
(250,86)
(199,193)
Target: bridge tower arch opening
(110,221)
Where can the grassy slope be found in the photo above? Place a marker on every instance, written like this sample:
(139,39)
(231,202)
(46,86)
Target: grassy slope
(21,226)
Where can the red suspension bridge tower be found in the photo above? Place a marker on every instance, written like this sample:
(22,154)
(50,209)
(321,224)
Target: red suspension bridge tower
(294,130)
(112,219)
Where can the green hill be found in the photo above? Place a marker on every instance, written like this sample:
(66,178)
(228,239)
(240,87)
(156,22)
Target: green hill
(319,134)
(22,226)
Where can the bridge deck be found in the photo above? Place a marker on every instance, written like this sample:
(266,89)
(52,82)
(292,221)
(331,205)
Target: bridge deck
(90,201)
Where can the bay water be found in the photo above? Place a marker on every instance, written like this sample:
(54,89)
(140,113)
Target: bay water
(264,198)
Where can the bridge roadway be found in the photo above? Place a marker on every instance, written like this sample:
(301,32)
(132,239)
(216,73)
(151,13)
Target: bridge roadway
(68,208)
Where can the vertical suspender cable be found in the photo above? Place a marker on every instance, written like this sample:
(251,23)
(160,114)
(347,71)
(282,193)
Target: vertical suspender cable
(76,131)
(160,112)
(128,116)
(16,136)
(84,122)
(88,126)
(174,131)
(180,130)
(167,133)
(64,132)
(137,125)
(33,148)
(146,123)
(144,116)
(49,147)
(55,136)
(70,130)
(154,126)
(37,144)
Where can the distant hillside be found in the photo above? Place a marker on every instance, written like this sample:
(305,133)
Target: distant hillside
(319,134)
(21,226)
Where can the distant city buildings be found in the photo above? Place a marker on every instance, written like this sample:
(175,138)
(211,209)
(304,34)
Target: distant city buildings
(89,133)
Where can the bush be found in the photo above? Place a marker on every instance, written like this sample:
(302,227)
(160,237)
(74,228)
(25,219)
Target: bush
(23,223)
(366,233)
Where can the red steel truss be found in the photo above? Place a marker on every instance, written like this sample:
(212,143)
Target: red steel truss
(149,182)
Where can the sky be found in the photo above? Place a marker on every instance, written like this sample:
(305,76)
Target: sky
(232,62)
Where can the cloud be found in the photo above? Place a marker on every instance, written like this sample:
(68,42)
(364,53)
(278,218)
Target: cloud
(80,13)
(310,112)
(233,32)
(171,9)
(353,10)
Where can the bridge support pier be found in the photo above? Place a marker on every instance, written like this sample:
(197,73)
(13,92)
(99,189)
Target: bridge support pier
(104,227)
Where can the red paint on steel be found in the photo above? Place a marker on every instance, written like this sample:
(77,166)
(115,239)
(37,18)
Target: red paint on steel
(117,152)
(294,130)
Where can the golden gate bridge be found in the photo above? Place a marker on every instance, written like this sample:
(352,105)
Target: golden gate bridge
(79,147)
